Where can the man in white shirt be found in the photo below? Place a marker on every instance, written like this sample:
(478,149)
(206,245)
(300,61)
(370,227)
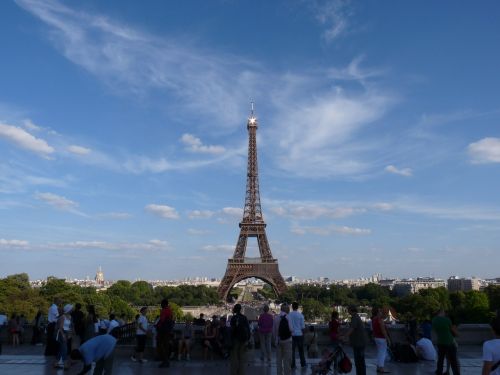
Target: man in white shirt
(425,349)
(298,327)
(140,335)
(52,346)
(491,351)
(113,323)
(282,335)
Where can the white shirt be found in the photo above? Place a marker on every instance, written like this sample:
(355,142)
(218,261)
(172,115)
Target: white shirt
(142,322)
(426,349)
(297,322)
(113,324)
(3,319)
(491,353)
(53,313)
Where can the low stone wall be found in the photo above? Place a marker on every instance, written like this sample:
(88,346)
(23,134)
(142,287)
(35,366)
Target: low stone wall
(469,334)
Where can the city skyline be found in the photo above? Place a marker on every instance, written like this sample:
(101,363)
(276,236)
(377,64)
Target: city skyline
(123,136)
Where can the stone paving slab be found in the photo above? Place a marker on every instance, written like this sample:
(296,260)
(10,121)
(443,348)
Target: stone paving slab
(25,364)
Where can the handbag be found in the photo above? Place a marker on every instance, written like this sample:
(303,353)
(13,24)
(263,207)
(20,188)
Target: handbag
(344,364)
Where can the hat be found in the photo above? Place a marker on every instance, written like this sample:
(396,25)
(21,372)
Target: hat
(67,308)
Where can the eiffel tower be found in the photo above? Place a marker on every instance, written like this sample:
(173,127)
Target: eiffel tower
(264,267)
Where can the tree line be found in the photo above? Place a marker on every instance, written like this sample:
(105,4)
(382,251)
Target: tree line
(124,298)
(463,307)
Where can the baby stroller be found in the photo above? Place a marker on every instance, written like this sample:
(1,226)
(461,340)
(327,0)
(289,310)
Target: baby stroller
(333,362)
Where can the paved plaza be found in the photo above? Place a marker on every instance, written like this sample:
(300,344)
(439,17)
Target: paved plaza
(29,361)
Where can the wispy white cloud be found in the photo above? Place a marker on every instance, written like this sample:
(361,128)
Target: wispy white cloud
(197,232)
(218,248)
(78,150)
(195,145)
(57,201)
(233,211)
(451,212)
(25,140)
(330,230)
(129,59)
(153,244)
(307,210)
(353,71)
(13,244)
(163,211)
(200,214)
(407,172)
(333,15)
(115,215)
(318,137)
(486,150)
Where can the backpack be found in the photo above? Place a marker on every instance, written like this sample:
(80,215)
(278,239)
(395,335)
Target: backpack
(284,332)
(241,328)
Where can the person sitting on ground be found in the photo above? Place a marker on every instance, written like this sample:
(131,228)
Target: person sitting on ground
(425,349)
(209,339)
(491,351)
(98,349)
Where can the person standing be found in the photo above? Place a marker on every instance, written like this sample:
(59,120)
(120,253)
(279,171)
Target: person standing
(91,323)
(165,327)
(51,349)
(240,334)
(37,329)
(445,332)
(282,334)
(491,351)
(78,319)
(265,326)
(64,335)
(140,335)
(333,328)
(298,326)
(381,338)
(358,340)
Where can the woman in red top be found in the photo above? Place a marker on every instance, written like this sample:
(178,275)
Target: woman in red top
(381,338)
(333,328)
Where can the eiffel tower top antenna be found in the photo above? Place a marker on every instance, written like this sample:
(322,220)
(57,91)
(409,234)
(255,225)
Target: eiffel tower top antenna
(252,104)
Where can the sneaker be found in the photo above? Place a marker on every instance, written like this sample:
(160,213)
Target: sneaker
(133,359)
(143,360)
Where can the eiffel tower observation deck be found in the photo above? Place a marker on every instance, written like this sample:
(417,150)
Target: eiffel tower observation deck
(264,267)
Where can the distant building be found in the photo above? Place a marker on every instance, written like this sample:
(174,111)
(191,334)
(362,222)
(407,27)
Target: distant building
(409,286)
(456,284)
(99,277)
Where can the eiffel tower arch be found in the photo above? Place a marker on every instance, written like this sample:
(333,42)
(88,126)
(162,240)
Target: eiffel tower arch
(264,267)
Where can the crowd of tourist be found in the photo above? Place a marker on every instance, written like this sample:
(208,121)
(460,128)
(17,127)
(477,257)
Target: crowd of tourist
(71,334)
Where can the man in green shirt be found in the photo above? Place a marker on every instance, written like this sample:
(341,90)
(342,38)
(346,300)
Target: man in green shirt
(446,333)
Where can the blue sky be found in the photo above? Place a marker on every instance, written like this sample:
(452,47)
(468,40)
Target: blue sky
(123,137)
